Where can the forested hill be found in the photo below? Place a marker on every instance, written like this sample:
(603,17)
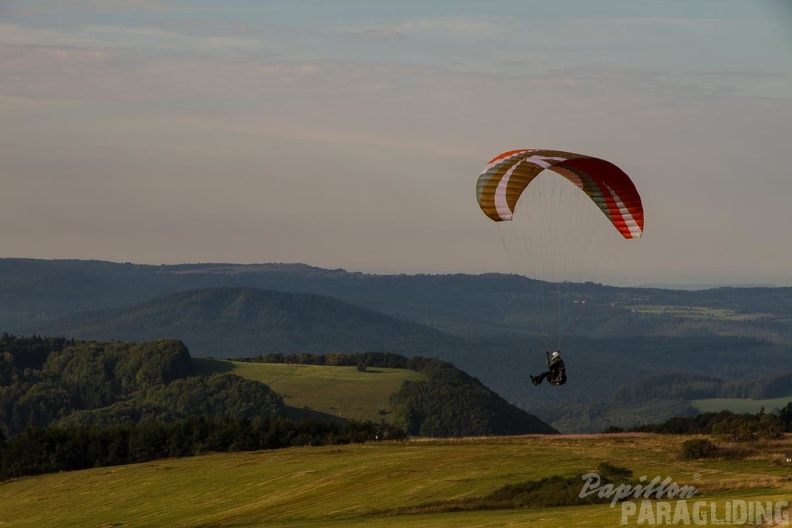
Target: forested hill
(57,381)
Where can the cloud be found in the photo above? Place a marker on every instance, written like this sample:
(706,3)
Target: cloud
(113,6)
(138,39)
(740,74)
(209,26)
(471,28)
(394,104)
(51,7)
(367,36)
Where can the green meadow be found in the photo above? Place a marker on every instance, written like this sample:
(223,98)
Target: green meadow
(739,405)
(343,392)
(375,484)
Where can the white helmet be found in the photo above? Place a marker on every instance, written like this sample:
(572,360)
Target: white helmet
(555,354)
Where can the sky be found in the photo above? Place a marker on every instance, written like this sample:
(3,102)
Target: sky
(350,134)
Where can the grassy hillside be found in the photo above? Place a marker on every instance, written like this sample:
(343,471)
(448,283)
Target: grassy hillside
(426,397)
(365,485)
(337,391)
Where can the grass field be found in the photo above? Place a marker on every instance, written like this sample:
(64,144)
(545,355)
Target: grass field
(739,405)
(699,312)
(338,391)
(357,485)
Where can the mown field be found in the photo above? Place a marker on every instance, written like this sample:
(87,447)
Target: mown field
(338,391)
(370,484)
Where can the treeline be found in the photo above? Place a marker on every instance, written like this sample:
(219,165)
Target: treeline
(732,426)
(56,381)
(435,369)
(693,386)
(52,449)
(450,403)
(370,359)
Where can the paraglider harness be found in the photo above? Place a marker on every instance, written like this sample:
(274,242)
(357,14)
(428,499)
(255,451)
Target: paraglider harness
(557,370)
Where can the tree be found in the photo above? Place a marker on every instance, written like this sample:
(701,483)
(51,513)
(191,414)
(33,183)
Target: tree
(785,416)
(698,448)
(748,428)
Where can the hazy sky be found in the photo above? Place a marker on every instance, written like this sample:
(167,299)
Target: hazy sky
(350,134)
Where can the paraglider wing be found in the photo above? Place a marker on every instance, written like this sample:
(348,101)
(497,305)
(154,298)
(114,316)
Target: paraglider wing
(507,175)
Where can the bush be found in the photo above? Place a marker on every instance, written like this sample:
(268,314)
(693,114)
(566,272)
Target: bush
(614,473)
(698,448)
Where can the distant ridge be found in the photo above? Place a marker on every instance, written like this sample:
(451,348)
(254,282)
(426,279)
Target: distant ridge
(225,322)
(34,293)
(705,286)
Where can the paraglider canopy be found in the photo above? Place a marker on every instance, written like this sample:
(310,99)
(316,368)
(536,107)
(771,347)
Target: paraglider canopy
(548,206)
(507,175)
